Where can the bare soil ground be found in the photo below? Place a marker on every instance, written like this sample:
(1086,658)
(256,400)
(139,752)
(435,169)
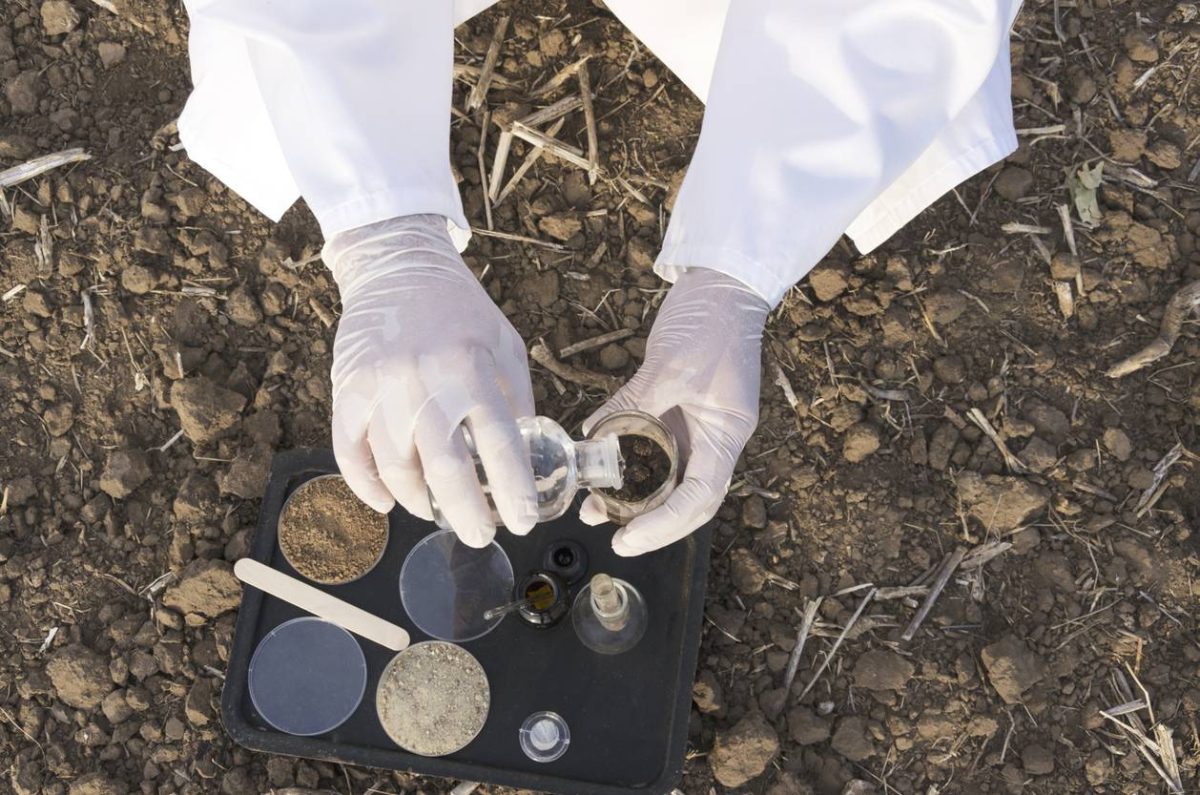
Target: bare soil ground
(142,299)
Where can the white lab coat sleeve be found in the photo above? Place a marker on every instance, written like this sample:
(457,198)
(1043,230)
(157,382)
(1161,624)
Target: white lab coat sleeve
(224,125)
(815,109)
(344,104)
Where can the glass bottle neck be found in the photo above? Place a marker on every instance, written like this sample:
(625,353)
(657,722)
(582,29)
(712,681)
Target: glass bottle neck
(598,463)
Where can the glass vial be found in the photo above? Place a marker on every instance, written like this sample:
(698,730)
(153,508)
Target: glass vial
(561,467)
(609,615)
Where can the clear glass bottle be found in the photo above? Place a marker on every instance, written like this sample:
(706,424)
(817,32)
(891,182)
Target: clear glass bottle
(561,467)
(609,615)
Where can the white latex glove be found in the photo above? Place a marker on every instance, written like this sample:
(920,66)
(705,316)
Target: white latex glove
(700,376)
(422,351)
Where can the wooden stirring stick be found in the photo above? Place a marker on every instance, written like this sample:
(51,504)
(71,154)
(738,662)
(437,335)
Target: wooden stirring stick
(321,604)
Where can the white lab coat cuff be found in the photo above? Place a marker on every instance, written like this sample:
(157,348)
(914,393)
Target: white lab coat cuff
(898,205)
(368,208)
(768,279)
(270,194)
(905,199)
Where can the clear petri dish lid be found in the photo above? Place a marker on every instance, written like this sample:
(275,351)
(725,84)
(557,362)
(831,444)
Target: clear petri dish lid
(447,586)
(307,676)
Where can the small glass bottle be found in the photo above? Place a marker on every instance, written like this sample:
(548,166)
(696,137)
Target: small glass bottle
(609,615)
(561,467)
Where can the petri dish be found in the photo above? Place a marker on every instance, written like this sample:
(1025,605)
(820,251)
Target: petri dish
(307,676)
(327,534)
(433,698)
(544,736)
(447,586)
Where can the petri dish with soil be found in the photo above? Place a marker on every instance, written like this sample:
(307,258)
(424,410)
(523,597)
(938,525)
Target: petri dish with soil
(307,676)
(328,535)
(433,698)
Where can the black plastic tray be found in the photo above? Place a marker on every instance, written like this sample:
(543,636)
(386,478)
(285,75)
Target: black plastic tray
(628,713)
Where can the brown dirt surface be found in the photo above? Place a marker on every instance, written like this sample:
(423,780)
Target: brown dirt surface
(116,534)
(328,534)
(433,698)
(646,468)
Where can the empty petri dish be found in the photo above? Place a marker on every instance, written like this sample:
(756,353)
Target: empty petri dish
(307,676)
(544,736)
(447,586)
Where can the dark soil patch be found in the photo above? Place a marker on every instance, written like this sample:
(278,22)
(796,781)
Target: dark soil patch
(328,535)
(646,468)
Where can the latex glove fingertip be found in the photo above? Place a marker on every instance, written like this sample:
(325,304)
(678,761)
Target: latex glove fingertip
(477,538)
(592,512)
(627,544)
(371,492)
(381,506)
(420,510)
(525,523)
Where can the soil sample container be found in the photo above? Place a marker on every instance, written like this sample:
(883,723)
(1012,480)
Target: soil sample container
(433,698)
(650,457)
(327,535)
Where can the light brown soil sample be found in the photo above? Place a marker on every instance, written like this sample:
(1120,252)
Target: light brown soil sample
(433,698)
(646,467)
(328,535)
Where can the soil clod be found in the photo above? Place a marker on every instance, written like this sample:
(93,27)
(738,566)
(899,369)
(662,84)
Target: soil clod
(852,740)
(882,670)
(1012,668)
(744,751)
(80,677)
(205,588)
(1000,503)
(205,409)
(124,472)
(646,468)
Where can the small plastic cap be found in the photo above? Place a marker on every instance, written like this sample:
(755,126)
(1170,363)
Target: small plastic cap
(544,736)
(599,463)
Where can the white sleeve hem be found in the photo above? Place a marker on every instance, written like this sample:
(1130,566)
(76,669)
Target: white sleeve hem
(272,200)
(763,278)
(883,219)
(870,230)
(369,208)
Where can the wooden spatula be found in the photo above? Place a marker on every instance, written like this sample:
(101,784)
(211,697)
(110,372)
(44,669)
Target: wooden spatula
(320,604)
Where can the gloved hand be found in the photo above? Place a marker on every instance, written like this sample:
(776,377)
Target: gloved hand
(422,351)
(700,376)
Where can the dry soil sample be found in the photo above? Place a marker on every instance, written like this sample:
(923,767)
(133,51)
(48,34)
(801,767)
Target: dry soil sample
(328,535)
(433,698)
(646,467)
